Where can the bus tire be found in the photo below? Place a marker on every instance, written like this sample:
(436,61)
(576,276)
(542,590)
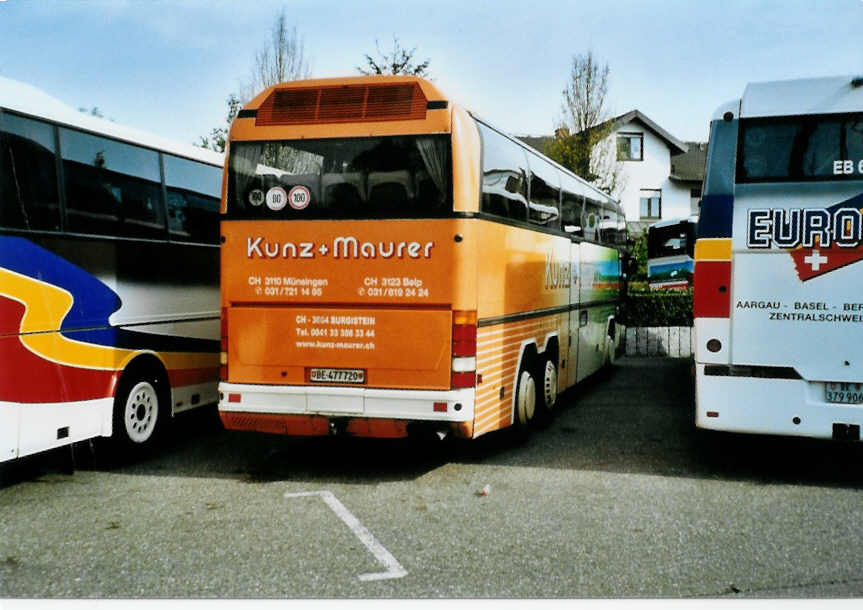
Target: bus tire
(547,394)
(140,409)
(525,398)
(609,352)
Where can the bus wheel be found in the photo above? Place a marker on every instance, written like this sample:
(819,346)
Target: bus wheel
(525,400)
(548,396)
(138,412)
(609,352)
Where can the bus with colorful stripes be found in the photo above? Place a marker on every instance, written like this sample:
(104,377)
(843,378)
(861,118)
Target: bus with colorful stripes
(670,250)
(393,265)
(778,306)
(109,271)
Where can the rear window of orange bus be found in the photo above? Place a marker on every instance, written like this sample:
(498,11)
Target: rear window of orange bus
(357,178)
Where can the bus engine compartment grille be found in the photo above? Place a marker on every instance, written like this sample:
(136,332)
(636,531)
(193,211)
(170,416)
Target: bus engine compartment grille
(371,102)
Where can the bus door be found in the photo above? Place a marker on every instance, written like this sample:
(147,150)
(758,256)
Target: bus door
(574,288)
(590,329)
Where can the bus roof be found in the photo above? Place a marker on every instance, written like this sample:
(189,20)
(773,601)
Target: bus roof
(29,100)
(674,221)
(825,95)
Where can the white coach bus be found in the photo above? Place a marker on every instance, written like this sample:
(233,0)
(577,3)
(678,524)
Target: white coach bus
(109,277)
(778,296)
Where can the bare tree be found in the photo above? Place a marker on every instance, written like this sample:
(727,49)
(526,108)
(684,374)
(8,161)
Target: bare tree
(399,61)
(581,141)
(584,95)
(282,59)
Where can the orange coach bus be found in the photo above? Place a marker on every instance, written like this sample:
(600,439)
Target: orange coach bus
(393,264)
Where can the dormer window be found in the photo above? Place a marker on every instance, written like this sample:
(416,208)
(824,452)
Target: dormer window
(630,146)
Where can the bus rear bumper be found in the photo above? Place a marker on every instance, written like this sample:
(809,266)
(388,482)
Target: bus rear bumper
(314,410)
(787,407)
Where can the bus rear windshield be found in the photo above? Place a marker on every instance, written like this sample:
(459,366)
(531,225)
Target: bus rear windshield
(357,178)
(672,240)
(799,149)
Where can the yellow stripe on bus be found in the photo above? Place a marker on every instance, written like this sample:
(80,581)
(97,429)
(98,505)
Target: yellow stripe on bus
(498,361)
(713,249)
(45,307)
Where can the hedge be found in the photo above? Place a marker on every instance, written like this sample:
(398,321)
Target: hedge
(656,309)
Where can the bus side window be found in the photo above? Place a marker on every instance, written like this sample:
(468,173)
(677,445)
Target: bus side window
(544,193)
(28,175)
(570,212)
(622,233)
(591,218)
(504,176)
(193,200)
(112,188)
(609,225)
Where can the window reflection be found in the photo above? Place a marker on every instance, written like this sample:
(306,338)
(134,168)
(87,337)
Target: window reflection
(544,193)
(28,175)
(112,188)
(504,176)
(193,200)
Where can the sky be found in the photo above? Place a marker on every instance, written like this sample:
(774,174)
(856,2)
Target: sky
(167,66)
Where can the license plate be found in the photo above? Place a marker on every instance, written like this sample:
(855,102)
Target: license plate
(337,375)
(846,393)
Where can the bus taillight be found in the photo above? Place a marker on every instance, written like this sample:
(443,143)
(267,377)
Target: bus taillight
(463,349)
(223,355)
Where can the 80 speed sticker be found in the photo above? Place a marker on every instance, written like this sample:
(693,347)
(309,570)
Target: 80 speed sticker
(277,198)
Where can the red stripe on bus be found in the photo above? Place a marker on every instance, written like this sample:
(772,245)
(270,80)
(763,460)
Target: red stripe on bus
(27,378)
(711,295)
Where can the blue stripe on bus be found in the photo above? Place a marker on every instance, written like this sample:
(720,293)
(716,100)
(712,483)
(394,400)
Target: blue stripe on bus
(716,216)
(855,202)
(92,301)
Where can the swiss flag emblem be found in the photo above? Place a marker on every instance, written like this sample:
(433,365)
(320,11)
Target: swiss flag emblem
(815,261)
(812,262)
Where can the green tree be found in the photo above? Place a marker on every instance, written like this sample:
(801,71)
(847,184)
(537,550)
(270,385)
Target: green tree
(398,61)
(218,138)
(581,140)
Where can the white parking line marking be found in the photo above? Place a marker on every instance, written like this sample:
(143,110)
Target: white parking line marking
(393,567)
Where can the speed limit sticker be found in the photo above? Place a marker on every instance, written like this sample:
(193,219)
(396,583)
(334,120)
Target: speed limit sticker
(276,198)
(299,197)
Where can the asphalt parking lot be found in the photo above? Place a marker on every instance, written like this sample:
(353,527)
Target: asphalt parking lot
(619,497)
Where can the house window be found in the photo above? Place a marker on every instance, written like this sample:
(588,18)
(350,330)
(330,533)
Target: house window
(695,200)
(630,146)
(651,204)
